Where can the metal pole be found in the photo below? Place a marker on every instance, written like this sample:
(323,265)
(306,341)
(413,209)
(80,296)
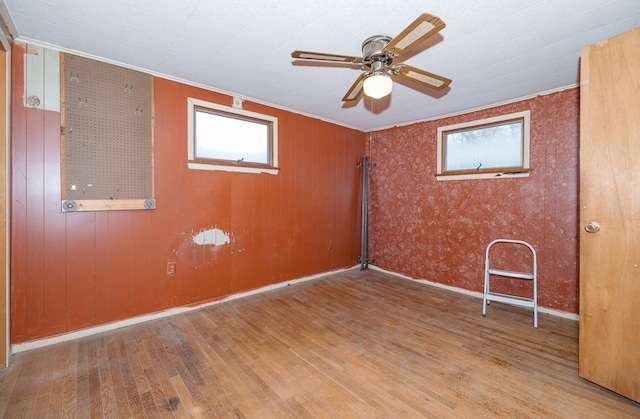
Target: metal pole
(364,242)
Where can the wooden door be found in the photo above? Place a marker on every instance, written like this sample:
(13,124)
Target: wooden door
(610,196)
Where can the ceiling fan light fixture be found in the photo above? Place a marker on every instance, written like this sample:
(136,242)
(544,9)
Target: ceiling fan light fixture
(378,54)
(377,85)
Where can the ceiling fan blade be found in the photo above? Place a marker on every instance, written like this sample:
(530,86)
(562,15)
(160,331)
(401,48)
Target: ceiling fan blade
(355,89)
(422,28)
(420,76)
(307,55)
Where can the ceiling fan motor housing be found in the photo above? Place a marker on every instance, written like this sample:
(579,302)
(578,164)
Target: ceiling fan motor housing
(372,49)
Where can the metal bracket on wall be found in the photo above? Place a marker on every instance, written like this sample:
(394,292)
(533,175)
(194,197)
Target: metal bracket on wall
(69,205)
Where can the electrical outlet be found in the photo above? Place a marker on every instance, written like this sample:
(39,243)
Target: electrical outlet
(171,268)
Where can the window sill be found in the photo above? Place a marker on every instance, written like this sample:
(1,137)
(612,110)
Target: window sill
(235,168)
(484,175)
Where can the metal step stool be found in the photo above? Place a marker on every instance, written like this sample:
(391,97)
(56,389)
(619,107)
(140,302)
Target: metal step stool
(511,299)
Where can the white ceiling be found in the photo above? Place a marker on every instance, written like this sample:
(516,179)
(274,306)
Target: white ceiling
(493,50)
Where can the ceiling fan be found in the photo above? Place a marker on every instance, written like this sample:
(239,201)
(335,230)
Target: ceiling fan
(378,53)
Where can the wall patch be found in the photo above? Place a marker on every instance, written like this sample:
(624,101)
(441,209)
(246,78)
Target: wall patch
(213,236)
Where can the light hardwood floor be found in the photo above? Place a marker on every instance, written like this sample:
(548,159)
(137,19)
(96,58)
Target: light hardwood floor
(356,344)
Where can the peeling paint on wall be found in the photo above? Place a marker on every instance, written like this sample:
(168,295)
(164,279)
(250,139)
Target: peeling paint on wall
(213,236)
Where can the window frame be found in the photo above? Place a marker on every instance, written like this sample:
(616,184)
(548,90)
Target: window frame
(497,172)
(198,163)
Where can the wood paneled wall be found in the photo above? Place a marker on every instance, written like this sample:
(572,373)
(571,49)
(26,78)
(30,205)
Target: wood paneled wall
(76,270)
(438,230)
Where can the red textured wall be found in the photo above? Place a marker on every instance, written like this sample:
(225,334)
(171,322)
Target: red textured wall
(438,230)
(75,270)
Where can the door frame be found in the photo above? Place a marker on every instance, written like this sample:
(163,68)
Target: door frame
(5,199)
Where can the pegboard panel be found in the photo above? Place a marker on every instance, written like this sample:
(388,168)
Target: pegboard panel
(107,151)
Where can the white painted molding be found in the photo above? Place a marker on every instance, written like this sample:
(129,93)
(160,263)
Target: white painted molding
(546,310)
(8,22)
(26,346)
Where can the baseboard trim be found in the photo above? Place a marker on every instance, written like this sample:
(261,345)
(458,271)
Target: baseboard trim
(90,331)
(546,310)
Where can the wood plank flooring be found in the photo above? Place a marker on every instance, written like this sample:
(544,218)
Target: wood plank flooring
(351,345)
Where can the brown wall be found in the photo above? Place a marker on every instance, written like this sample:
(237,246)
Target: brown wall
(75,270)
(438,230)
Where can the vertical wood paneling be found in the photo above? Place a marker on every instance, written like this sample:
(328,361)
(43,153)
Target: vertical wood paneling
(35,213)
(438,230)
(120,258)
(18,199)
(141,266)
(74,270)
(83,293)
(167,218)
(54,228)
(101,264)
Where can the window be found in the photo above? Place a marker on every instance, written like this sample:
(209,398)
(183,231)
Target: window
(489,148)
(231,139)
